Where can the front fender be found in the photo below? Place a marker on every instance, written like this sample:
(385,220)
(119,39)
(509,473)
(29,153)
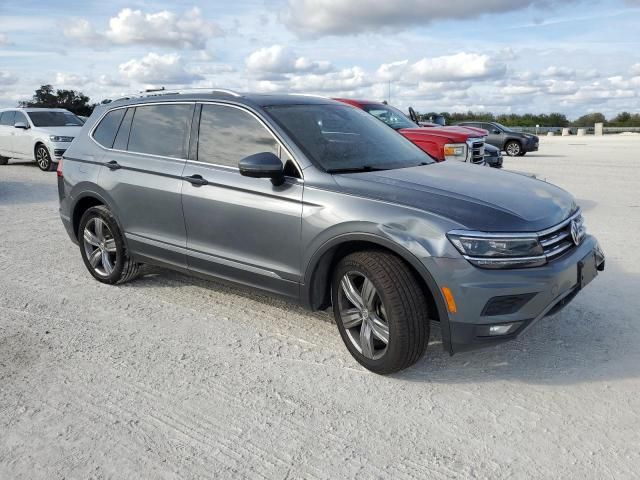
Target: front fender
(411,250)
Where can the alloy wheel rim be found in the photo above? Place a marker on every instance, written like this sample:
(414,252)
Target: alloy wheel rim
(513,149)
(42,157)
(100,247)
(363,315)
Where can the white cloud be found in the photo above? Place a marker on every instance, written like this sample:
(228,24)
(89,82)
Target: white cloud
(461,66)
(340,17)
(68,80)
(280,60)
(554,71)
(4,40)
(635,69)
(345,80)
(134,27)
(157,69)
(7,78)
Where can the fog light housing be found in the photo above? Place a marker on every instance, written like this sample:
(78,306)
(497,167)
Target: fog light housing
(498,329)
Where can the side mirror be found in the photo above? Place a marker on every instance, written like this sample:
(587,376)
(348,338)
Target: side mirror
(21,125)
(496,131)
(263,165)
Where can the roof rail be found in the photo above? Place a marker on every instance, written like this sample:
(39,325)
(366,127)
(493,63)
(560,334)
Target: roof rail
(178,91)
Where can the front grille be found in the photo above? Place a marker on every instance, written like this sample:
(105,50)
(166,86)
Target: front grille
(559,240)
(476,149)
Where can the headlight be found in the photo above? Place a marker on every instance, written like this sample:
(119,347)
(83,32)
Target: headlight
(455,151)
(495,251)
(58,138)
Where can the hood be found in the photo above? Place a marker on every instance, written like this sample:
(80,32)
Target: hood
(452,134)
(477,198)
(61,131)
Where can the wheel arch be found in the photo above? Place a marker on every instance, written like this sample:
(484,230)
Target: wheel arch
(315,292)
(85,201)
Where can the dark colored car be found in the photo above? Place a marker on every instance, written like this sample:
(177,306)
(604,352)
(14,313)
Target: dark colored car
(515,144)
(322,203)
(492,156)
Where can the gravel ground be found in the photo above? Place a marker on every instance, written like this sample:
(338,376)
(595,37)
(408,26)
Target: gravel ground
(175,377)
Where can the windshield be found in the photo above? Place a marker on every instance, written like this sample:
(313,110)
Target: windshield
(503,128)
(341,138)
(389,115)
(54,119)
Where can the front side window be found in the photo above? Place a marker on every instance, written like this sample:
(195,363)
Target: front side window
(7,118)
(389,115)
(228,134)
(340,138)
(48,118)
(20,118)
(161,130)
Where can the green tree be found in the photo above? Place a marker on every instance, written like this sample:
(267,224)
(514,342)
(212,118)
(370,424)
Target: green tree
(589,120)
(72,100)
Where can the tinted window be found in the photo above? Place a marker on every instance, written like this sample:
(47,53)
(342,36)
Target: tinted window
(48,118)
(161,130)
(122,138)
(7,118)
(20,117)
(389,115)
(343,138)
(228,134)
(106,131)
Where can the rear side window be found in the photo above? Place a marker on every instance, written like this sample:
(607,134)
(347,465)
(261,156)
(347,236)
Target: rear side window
(122,138)
(105,134)
(228,134)
(7,118)
(161,130)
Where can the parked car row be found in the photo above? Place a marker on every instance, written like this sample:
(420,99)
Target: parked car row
(37,134)
(323,203)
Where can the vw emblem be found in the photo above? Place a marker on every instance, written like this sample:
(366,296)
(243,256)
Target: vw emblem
(576,232)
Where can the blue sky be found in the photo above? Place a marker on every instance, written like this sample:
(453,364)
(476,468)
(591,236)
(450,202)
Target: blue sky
(570,56)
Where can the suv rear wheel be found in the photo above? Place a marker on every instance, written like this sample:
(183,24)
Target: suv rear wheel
(4,160)
(43,159)
(380,310)
(102,247)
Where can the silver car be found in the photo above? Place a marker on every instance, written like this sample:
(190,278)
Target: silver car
(320,202)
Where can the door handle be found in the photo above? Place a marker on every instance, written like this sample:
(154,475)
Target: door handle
(113,165)
(196,180)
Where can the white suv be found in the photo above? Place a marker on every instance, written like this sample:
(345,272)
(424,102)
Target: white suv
(40,134)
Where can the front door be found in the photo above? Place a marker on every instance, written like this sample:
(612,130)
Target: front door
(239,228)
(22,139)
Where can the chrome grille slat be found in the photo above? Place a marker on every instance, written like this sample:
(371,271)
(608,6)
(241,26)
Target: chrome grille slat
(557,240)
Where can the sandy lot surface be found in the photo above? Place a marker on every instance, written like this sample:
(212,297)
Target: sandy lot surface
(174,377)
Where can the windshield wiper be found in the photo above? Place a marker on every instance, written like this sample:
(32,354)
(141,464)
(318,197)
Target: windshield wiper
(363,168)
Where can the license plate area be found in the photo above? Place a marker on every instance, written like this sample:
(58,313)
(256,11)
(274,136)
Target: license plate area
(587,270)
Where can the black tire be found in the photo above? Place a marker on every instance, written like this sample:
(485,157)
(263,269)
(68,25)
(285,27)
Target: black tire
(43,159)
(402,301)
(4,160)
(522,153)
(121,268)
(513,148)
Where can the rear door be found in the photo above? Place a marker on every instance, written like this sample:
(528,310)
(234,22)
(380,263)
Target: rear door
(240,228)
(142,175)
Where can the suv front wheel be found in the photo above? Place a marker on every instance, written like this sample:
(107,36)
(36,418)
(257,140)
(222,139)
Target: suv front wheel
(102,247)
(381,311)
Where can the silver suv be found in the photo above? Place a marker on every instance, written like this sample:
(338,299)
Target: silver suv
(320,202)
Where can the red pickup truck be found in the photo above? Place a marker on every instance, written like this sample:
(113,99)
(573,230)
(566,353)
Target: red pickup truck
(442,143)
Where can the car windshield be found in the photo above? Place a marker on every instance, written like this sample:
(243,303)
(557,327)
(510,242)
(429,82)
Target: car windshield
(54,119)
(341,138)
(503,128)
(389,115)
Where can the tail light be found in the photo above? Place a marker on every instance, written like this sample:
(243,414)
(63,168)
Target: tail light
(59,169)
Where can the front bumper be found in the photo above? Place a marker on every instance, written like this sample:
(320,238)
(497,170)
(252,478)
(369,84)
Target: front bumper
(57,149)
(521,297)
(493,161)
(532,145)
